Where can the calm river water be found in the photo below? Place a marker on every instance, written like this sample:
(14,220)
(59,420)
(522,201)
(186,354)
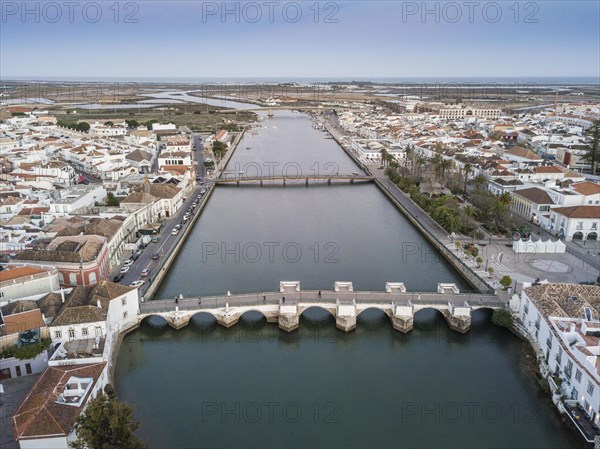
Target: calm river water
(255,386)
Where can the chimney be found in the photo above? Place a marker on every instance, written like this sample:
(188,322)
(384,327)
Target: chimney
(98,304)
(62,295)
(572,327)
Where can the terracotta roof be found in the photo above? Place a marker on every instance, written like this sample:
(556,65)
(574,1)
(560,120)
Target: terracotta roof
(548,169)
(587,188)
(81,306)
(19,272)
(69,252)
(522,153)
(535,195)
(163,190)
(139,197)
(579,211)
(104,227)
(50,304)
(23,305)
(558,299)
(23,321)
(39,415)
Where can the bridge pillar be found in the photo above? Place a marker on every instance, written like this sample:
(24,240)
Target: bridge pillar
(227,318)
(329,181)
(283,182)
(261,182)
(238,182)
(402,316)
(351,181)
(345,317)
(458,317)
(288,318)
(177,321)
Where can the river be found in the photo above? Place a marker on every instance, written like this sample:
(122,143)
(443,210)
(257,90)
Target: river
(255,386)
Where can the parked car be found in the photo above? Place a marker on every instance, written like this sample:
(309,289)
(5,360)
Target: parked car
(128,263)
(178,227)
(203,191)
(155,256)
(175,232)
(124,270)
(118,277)
(137,283)
(145,272)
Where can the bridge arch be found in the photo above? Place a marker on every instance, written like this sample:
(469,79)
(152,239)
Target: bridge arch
(317,313)
(372,317)
(253,316)
(155,320)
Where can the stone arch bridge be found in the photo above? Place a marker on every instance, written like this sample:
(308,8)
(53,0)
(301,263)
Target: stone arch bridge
(285,306)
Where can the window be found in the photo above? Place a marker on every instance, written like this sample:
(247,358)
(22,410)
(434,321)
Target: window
(57,334)
(73,279)
(92,277)
(578,375)
(28,368)
(1,294)
(71,333)
(125,314)
(124,301)
(569,369)
(590,388)
(84,332)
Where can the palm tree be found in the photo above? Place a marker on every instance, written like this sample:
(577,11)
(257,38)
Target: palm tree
(408,152)
(445,164)
(470,211)
(479,181)
(505,198)
(385,156)
(467,170)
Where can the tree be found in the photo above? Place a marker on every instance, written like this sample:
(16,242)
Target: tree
(479,261)
(107,424)
(592,154)
(505,281)
(490,271)
(111,200)
(109,123)
(467,170)
(132,123)
(479,181)
(219,149)
(502,317)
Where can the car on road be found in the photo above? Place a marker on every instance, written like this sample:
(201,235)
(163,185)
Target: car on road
(128,263)
(155,256)
(137,283)
(124,270)
(175,232)
(178,227)
(118,277)
(203,191)
(145,272)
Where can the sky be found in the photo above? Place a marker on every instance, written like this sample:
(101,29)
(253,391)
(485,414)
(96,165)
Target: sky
(303,39)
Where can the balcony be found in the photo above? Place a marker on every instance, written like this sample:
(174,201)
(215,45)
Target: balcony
(537,325)
(582,422)
(548,342)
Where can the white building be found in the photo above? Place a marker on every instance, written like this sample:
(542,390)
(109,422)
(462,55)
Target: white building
(26,281)
(369,150)
(77,197)
(575,222)
(563,320)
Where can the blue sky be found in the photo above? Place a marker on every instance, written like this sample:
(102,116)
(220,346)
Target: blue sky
(368,39)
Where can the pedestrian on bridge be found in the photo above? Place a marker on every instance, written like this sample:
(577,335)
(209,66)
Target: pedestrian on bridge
(319,294)
(283,299)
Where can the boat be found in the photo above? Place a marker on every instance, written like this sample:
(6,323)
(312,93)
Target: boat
(247,148)
(355,173)
(274,126)
(241,172)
